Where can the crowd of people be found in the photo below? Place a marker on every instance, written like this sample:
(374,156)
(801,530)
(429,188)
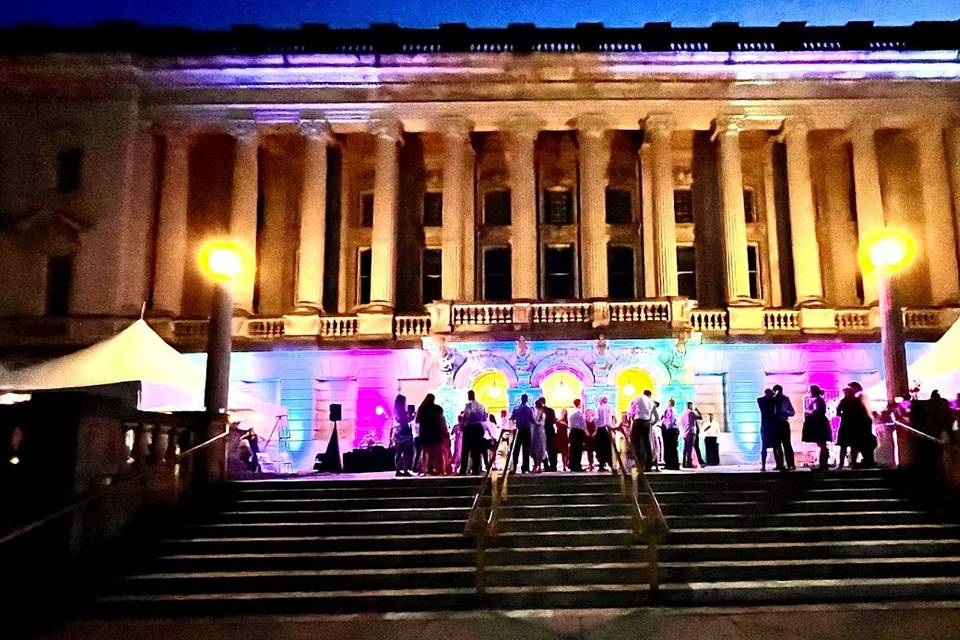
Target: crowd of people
(425,444)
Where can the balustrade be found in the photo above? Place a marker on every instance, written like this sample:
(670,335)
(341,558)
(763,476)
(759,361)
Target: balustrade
(411,326)
(482,314)
(781,320)
(561,313)
(338,326)
(640,311)
(921,318)
(708,320)
(852,320)
(266,328)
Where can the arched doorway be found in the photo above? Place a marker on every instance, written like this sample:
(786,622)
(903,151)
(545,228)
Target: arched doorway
(491,389)
(630,383)
(560,389)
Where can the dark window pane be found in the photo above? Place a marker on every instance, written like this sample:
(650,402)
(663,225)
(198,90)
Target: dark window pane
(558,266)
(496,274)
(433,209)
(69,170)
(620,276)
(749,213)
(432,274)
(557,206)
(363,276)
(619,206)
(682,206)
(496,208)
(753,271)
(59,284)
(366,210)
(687,272)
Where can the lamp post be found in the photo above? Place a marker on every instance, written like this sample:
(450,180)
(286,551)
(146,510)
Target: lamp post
(222,261)
(883,255)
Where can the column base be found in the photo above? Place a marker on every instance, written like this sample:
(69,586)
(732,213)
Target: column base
(375,319)
(304,321)
(811,302)
(745,319)
(818,320)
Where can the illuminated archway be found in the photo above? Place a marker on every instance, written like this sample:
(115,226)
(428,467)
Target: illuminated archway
(631,382)
(560,388)
(491,389)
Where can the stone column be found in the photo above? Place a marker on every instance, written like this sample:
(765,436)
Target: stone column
(456,138)
(866,185)
(953,156)
(736,278)
(940,244)
(593,223)
(313,217)
(383,260)
(770,209)
(171,259)
(522,135)
(243,207)
(807,275)
(657,131)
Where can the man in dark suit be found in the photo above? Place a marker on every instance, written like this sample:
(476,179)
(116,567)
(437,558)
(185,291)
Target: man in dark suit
(785,411)
(550,419)
(769,431)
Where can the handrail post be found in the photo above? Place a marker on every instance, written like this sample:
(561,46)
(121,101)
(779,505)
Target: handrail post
(481,576)
(653,565)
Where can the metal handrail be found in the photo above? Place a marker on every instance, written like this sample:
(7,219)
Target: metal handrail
(499,497)
(914,431)
(477,506)
(82,502)
(654,525)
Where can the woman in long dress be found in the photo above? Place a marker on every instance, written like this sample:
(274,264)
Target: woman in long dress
(538,436)
(816,427)
(561,442)
(853,416)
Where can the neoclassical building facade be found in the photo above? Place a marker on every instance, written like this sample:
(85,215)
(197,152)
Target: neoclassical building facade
(584,211)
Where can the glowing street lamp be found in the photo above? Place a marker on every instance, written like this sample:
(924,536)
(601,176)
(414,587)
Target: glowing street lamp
(223,262)
(884,254)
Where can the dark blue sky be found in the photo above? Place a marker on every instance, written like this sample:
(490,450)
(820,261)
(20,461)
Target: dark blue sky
(417,13)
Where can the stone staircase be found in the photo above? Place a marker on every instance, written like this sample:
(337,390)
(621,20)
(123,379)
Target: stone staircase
(326,546)
(751,538)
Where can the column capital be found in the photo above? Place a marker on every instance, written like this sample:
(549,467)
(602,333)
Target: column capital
(795,126)
(523,126)
(658,123)
(387,127)
(454,127)
(728,125)
(315,129)
(592,124)
(861,127)
(242,130)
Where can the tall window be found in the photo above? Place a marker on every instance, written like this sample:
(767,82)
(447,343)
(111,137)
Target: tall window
(431,275)
(59,284)
(496,274)
(366,209)
(433,209)
(496,208)
(620,277)
(557,206)
(558,272)
(753,270)
(363,276)
(749,205)
(687,271)
(69,170)
(619,206)
(682,206)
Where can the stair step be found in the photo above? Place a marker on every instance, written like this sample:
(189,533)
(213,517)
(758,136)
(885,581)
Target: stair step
(771,506)
(811,533)
(747,521)
(619,573)
(793,569)
(305,560)
(812,551)
(402,542)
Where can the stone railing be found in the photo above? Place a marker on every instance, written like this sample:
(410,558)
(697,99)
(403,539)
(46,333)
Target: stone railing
(640,311)
(482,314)
(922,318)
(338,326)
(781,320)
(189,329)
(709,320)
(561,313)
(265,328)
(411,326)
(852,320)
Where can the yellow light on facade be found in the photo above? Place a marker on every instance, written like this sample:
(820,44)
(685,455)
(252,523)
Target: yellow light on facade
(223,260)
(886,252)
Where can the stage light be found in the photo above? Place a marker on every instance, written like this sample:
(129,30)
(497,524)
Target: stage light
(379,410)
(629,390)
(886,252)
(223,260)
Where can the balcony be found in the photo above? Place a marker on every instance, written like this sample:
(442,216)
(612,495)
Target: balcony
(636,318)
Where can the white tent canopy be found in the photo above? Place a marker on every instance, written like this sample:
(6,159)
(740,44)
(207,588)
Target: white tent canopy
(938,368)
(169,381)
